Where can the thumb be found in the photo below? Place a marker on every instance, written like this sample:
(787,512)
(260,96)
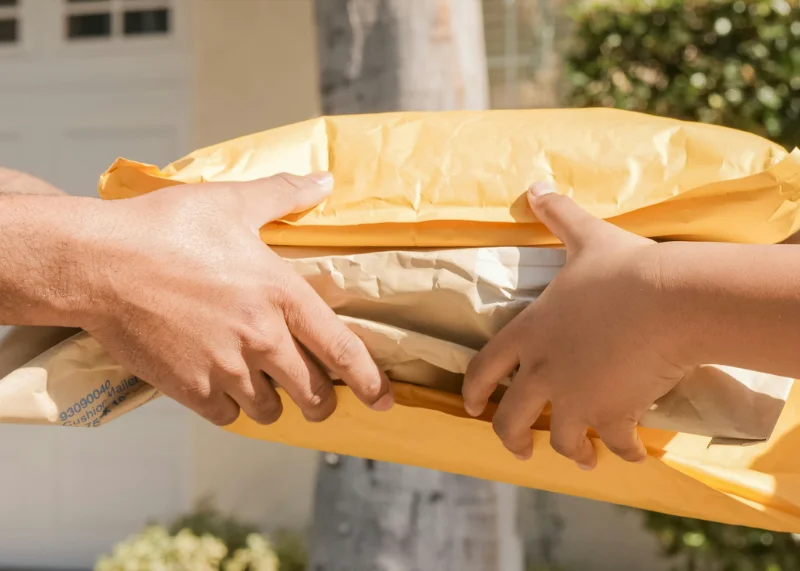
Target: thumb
(566,220)
(267,199)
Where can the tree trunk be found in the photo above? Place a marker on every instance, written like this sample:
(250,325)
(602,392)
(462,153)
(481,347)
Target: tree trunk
(377,516)
(387,55)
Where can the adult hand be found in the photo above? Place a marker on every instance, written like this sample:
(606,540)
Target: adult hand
(188,298)
(595,345)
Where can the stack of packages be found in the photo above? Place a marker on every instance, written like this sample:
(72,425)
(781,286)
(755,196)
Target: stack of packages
(426,248)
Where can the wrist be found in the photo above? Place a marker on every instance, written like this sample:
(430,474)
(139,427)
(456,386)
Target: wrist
(662,270)
(50,275)
(86,289)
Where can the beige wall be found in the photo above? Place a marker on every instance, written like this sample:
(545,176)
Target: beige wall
(255,66)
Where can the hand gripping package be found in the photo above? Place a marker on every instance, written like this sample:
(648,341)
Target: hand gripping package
(427,247)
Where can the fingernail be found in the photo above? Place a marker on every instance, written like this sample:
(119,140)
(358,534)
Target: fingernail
(524,455)
(541,188)
(471,410)
(384,403)
(323,178)
(586,467)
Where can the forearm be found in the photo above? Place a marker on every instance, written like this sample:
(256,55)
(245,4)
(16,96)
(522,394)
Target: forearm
(15,182)
(45,259)
(736,305)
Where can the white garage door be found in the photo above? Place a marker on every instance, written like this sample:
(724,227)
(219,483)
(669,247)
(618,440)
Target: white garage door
(81,83)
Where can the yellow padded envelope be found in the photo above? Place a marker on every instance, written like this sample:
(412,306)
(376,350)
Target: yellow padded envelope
(457,179)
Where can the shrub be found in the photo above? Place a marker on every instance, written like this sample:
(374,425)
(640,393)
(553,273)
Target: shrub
(729,62)
(706,546)
(206,519)
(292,551)
(257,555)
(205,540)
(155,549)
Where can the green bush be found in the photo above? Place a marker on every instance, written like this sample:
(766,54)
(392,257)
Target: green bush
(257,555)
(156,549)
(206,540)
(292,551)
(206,519)
(706,546)
(733,63)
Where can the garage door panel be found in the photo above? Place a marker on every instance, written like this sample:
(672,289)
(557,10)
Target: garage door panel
(78,491)
(132,466)
(119,104)
(67,111)
(26,494)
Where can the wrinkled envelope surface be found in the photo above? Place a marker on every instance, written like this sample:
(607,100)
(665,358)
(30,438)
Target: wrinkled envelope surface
(457,180)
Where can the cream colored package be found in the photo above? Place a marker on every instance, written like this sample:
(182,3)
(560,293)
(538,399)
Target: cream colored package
(422,315)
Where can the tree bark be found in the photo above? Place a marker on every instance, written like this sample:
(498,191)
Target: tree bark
(387,55)
(377,516)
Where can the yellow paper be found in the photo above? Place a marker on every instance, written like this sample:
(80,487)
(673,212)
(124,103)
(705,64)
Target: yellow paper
(458,178)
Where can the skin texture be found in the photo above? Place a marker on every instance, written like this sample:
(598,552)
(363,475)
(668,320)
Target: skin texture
(15,182)
(179,288)
(623,322)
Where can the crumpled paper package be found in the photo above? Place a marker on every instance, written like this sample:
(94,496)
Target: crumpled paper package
(438,307)
(422,316)
(457,179)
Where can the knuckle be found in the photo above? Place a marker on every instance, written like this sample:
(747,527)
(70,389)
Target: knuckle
(267,345)
(564,446)
(549,203)
(345,351)
(316,402)
(233,371)
(282,282)
(373,391)
(201,397)
(628,453)
(196,391)
(267,408)
(514,437)
(621,438)
(281,290)
(473,378)
(221,414)
(286,181)
(502,428)
(250,312)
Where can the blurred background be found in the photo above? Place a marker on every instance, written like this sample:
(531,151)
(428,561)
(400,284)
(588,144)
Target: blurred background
(85,81)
